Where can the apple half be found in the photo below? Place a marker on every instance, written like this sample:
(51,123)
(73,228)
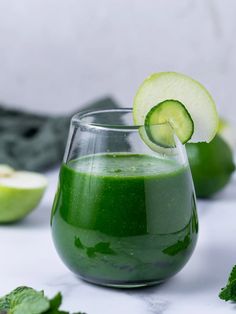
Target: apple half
(20,193)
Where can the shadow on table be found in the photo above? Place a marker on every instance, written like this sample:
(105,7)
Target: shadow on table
(209,273)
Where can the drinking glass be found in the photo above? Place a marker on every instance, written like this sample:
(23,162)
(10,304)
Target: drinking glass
(124,214)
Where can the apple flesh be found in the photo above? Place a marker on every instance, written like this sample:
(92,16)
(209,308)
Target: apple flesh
(20,193)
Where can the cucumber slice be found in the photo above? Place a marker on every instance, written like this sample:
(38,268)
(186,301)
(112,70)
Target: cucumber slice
(160,149)
(196,99)
(175,114)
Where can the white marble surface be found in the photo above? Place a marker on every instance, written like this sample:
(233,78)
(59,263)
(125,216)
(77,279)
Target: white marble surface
(29,258)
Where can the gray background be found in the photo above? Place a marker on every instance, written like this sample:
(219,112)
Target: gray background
(56,55)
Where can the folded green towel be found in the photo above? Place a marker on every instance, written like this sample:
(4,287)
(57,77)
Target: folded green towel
(37,142)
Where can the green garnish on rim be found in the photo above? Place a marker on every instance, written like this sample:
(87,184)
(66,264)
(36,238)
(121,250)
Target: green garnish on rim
(172,112)
(178,100)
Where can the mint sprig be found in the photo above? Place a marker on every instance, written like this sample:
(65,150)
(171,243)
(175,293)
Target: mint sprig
(228,293)
(26,300)
(179,246)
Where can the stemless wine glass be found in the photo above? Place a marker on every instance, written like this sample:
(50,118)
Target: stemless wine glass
(125,212)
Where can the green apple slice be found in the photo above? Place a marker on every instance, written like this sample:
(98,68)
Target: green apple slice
(195,98)
(20,192)
(174,113)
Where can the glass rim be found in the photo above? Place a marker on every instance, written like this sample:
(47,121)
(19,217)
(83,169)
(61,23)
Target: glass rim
(77,119)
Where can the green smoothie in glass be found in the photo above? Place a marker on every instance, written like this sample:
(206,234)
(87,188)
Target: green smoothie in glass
(123,218)
(125,212)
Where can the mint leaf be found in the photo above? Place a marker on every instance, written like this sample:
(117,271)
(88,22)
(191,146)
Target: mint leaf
(225,293)
(78,243)
(232,275)
(24,300)
(177,247)
(55,312)
(228,293)
(55,302)
(101,247)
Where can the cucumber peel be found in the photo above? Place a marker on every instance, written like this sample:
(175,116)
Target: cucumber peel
(171,112)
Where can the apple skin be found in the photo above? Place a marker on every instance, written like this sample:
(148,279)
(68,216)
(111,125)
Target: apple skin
(16,203)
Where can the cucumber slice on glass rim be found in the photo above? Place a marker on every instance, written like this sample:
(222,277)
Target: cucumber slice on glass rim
(176,115)
(158,148)
(181,99)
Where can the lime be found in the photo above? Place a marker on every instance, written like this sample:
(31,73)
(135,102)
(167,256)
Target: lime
(227,132)
(198,107)
(211,165)
(20,192)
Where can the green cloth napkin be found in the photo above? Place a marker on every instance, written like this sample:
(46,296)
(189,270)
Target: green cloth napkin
(37,142)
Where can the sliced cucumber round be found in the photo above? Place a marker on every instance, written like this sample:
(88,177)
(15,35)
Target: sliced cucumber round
(175,114)
(196,99)
(160,149)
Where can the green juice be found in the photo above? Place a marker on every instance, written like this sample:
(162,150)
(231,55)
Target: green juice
(124,219)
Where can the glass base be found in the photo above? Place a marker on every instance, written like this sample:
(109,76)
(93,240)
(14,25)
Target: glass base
(121,285)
